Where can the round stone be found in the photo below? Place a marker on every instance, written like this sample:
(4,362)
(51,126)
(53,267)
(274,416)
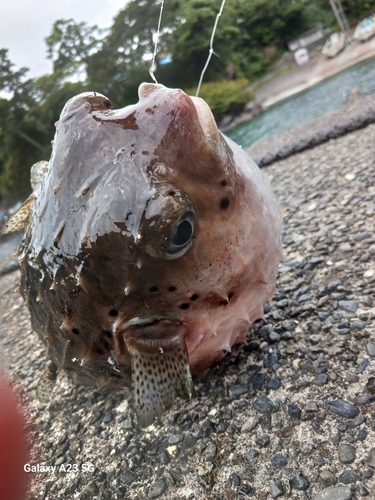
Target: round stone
(349,477)
(346,453)
(274,384)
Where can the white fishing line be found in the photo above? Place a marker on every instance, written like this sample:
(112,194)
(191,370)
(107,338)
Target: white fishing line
(153,65)
(211,51)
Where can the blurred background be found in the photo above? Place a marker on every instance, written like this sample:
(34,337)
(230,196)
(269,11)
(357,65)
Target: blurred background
(50,52)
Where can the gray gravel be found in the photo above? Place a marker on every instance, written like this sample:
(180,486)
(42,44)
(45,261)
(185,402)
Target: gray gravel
(291,414)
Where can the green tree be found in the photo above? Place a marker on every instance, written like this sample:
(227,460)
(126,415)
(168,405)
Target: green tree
(70,44)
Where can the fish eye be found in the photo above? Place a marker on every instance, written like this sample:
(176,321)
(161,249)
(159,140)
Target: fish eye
(182,235)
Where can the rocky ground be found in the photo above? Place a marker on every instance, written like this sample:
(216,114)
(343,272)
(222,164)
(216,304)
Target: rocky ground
(291,414)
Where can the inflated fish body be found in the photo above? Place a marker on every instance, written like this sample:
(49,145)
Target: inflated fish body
(151,245)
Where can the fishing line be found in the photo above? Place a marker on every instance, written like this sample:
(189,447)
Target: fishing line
(153,65)
(211,51)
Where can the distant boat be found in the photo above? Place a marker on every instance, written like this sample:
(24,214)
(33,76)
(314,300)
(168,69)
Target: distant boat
(334,44)
(365,29)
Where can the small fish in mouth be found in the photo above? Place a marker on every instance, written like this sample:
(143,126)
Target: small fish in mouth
(152,243)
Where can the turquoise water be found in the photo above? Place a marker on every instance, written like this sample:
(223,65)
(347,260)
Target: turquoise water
(316,101)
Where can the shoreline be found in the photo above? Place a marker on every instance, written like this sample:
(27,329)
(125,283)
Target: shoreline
(325,69)
(300,79)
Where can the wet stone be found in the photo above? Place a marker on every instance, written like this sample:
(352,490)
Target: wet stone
(359,420)
(271,359)
(265,331)
(164,458)
(263,404)
(346,453)
(128,477)
(343,408)
(332,285)
(274,384)
(276,489)
(279,460)
(157,489)
(321,379)
(334,493)
(349,477)
(299,481)
(304,297)
(235,479)
(274,336)
(258,381)
(175,438)
(239,390)
(294,411)
(349,305)
(357,325)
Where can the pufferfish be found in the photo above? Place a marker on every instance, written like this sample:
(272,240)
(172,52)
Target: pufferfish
(151,244)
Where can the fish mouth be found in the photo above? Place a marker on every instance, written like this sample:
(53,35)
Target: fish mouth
(146,320)
(159,364)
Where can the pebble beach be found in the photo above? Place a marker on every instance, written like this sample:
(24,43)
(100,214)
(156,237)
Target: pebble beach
(290,414)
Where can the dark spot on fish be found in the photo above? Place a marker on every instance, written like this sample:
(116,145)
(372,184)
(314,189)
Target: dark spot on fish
(153,289)
(99,351)
(172,288)
(224,203)
(194,297)
(85,191)
(56,190)
(75,331)
(113,312)
(223,183)
(145,153)
(223,302)
(108,334)
(184,306)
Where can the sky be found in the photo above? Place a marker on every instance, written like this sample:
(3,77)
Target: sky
(24,24)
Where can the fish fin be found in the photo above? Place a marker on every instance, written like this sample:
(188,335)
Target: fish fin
(37,173)
(20,219)
(46,383)
(160,373)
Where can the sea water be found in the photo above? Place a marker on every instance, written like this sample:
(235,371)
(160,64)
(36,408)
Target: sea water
(326,96)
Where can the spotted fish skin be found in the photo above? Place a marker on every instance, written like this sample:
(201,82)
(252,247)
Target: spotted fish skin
(151,246)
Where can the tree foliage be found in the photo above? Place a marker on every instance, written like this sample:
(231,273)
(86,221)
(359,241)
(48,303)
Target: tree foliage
(251,35)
